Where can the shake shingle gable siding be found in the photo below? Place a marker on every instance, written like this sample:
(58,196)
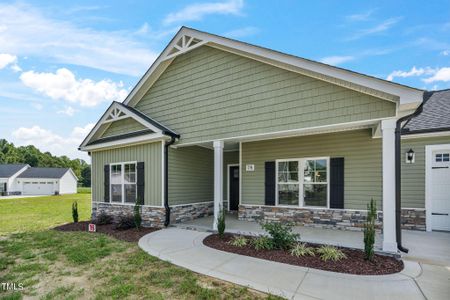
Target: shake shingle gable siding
(9,170)
(435,115)
(44,173)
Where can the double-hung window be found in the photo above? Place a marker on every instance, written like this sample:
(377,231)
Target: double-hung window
(302,182)
(123,182)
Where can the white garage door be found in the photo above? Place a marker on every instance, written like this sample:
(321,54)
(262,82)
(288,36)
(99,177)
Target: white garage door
(38,188)
(440,190)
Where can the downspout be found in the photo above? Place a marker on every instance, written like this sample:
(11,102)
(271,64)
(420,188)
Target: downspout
(166,179)
(398,178)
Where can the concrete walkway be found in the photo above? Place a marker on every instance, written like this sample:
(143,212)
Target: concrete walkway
(185,248)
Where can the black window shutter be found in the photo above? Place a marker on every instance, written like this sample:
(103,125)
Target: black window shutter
(337,182)
(140,182)
(106,181)
(269,183)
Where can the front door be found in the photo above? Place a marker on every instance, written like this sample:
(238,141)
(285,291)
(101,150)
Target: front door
(440,190)
(233,196)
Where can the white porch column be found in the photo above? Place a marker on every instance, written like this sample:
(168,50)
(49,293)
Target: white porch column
(389,236)
(218,180)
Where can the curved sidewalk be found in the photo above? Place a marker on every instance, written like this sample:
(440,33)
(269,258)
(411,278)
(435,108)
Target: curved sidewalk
(185,248)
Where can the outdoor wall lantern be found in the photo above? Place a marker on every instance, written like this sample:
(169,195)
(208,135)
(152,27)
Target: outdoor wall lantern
(410,156)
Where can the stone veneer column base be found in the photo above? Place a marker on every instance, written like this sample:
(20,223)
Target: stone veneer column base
(151,216)
(343,219)
(188,212)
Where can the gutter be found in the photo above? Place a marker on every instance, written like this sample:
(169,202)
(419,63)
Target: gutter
(166,178)
(398,178)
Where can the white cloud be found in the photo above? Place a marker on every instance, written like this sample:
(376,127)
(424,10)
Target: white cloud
(27,31)
(442,74)
(8,59)
(445,52)
(37,106)
(63,85)
(336,60)
(82,132)
(46,140)
(435,74)
(361,16)
(413,72)
(241,32)
(70,111)
(381,27)
(197,11)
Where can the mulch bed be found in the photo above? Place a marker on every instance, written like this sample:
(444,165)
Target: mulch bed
(128,235)
(353,264)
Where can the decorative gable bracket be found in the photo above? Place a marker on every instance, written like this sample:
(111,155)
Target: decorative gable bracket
(184,44)
(116,114)
(118,111)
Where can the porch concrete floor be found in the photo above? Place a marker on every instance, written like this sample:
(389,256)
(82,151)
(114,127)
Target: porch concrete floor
(424,247)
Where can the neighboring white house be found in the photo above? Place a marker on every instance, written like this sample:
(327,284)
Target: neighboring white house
(25,180)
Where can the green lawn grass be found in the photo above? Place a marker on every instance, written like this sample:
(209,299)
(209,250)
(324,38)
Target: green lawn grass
(38,213)
(73,265)
(79,265)
(84,190)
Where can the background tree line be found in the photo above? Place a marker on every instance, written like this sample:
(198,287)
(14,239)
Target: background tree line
(10,154)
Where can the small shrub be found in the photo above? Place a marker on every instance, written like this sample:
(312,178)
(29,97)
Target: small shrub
(75,212)
(221,223)
(330,253)
(239,241)
(281,234)
(262,243)
(137,214)
(369,231)
(103,219)
(302,250)
(125,222)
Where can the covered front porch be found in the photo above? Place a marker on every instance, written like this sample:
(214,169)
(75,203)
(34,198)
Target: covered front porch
(426,247)
(299,174)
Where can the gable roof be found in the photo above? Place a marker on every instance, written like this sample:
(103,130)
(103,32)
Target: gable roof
(118,111)
(9,170)
(44,173)
(435,115)
(188,39)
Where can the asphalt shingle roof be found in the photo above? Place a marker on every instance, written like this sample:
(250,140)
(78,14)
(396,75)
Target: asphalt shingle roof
(435,115)
(7,171)
(44,173)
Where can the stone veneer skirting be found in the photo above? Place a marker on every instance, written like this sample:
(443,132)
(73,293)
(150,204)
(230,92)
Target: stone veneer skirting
(151,216)
(188,212)
(326,218)
(155,216)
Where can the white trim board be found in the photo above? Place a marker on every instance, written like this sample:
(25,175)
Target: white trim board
(428,179)
(143,139)
(349,79)
(425,135)
(324,129)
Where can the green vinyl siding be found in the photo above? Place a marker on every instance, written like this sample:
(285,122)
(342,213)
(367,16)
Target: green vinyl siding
(191,175)
(231,157)
(362,156)
(413,175)
(150,154)
(123,126)
(209,94)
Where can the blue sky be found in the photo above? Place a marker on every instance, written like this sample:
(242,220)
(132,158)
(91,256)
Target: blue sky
(62,63)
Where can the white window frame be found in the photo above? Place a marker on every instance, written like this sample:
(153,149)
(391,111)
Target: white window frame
(122,164)
(301,175)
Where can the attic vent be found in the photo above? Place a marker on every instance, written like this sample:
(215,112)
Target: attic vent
(184,44)
(116,114)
